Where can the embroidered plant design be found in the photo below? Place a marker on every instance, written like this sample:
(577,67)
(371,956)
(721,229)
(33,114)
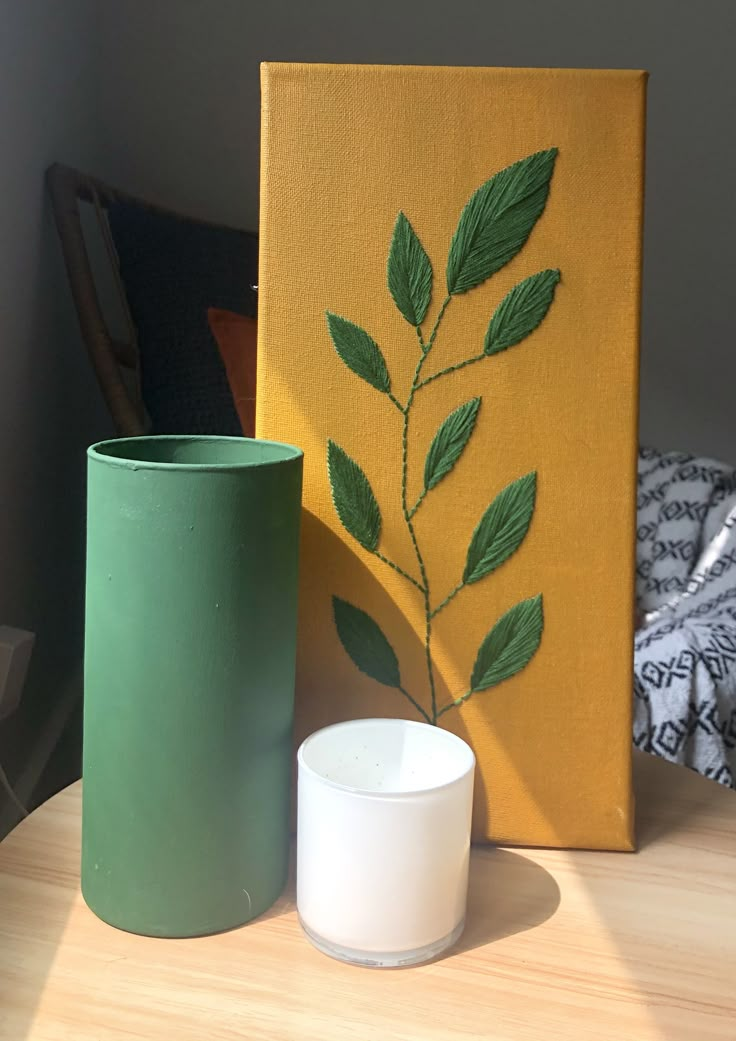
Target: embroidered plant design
(493,227)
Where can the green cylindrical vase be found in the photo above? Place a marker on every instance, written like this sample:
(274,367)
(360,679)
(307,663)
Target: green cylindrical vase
(192,567)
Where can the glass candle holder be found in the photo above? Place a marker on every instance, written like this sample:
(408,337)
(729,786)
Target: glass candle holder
(383,840)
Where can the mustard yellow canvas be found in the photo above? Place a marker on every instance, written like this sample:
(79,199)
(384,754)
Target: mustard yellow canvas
(449,327)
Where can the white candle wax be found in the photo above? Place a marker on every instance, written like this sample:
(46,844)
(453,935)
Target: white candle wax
(383,840)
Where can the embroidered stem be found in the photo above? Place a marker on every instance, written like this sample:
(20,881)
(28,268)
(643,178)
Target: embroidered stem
(421,339)
(416,705)
(395,401)
(453,704)
(448,598)
(399,570)
(417,504)
(427,617)
(452,368)
(405,434)
(440,316)
(418,552)
(408,514)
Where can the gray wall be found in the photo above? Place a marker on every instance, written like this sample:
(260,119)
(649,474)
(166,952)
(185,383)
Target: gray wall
(49,405)
(179,100)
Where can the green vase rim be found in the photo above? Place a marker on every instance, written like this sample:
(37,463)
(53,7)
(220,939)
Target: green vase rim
(159,451)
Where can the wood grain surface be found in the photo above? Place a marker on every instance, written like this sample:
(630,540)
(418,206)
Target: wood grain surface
(558,946)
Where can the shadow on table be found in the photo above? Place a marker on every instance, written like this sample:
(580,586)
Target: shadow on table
(679,800)
(508,893)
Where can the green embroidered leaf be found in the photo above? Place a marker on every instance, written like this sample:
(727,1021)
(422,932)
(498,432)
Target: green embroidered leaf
(521,311)
(497,220)
(449,441)
(502,528)
(409,272)
(359,351)
(510,645)
(353,498)
(366,645)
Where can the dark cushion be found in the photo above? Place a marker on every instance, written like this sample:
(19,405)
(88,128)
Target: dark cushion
(173,270)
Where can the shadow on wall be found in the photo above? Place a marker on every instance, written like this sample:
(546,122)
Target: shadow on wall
(53,413)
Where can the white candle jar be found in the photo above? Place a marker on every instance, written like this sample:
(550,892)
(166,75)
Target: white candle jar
(383,840)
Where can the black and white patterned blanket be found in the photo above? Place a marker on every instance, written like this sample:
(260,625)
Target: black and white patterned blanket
(685,649)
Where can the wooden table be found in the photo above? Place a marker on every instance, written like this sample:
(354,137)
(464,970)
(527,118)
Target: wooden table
(558,946)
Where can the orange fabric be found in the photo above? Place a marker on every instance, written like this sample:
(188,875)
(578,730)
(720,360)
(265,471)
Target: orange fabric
(344,149)
(235,335)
